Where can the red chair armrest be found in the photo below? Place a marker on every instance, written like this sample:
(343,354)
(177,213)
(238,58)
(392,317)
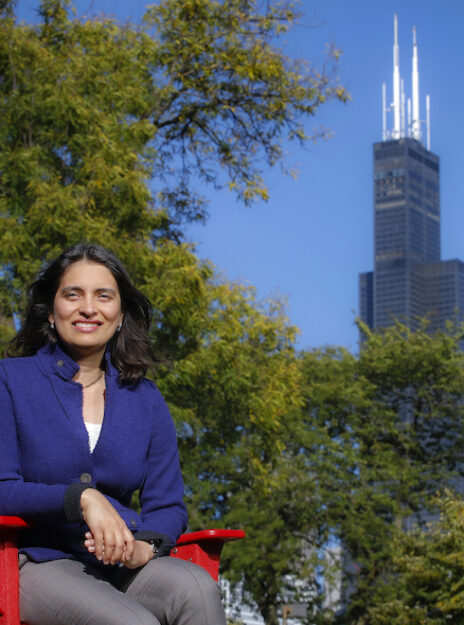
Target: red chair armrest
(14,522)
(222,535)
(9,579)
(204,547)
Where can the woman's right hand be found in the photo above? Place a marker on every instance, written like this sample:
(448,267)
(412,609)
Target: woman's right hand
(113,540)
(143,553)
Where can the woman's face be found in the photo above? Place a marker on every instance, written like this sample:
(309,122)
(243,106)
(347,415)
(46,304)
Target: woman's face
(87,308)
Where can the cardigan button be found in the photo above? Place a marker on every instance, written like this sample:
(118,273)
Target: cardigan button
(133,523)
(60,363)
(86,478)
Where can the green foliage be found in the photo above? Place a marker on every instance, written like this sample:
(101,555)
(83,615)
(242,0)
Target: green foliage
(236,400)
(231,397)
(381,432)
(418,377)
(105,126)
(347,448)
(425,584)
(409,438)
(6,334)
(230,94)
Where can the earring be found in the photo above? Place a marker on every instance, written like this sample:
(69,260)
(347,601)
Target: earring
(119,327)
(52,325)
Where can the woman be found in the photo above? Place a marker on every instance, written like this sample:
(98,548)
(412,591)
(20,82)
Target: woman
(81,429)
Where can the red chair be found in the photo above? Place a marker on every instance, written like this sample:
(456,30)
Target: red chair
(202,548)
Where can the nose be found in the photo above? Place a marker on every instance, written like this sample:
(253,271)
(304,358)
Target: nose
(87,307)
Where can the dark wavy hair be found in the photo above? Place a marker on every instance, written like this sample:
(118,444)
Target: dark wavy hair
(130,348)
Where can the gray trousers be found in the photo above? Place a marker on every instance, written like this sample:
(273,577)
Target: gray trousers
(166,591)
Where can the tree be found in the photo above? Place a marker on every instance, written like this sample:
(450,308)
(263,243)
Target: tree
(311,450)
(235,399)
(379,434)
(409,437)
(425,583)
(104,127)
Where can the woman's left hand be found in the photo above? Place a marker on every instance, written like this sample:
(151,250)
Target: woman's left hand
(142,554)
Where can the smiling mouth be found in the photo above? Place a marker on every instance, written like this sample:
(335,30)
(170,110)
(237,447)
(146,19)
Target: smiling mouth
(87,325)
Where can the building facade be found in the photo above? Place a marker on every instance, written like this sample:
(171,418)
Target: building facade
(409,280)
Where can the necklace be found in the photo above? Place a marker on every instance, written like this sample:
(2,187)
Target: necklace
(94,382)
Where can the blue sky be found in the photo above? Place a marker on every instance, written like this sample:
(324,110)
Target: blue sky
(311,239)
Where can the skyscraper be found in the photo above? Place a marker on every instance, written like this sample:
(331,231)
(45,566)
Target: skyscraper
(409,280)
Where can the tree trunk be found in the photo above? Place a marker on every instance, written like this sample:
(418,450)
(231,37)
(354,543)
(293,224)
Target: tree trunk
(269,613)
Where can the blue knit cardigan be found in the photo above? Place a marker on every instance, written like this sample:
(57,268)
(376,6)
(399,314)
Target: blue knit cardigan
(45,461)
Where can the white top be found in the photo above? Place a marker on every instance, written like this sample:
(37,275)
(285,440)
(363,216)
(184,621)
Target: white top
(93,430)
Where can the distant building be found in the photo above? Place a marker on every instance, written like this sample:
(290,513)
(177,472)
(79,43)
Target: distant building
(409,280)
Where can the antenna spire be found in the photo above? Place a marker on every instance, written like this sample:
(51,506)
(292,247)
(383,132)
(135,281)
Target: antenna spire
(396,82)
(412,127)
(416,124)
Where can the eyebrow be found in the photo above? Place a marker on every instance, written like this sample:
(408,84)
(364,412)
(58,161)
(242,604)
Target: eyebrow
(103,289)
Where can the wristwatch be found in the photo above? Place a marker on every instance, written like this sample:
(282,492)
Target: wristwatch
(154,545)
(160,544)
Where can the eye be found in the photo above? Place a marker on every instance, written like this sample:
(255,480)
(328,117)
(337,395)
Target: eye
(71,295)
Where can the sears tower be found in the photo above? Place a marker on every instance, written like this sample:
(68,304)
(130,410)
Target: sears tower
(409,280)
